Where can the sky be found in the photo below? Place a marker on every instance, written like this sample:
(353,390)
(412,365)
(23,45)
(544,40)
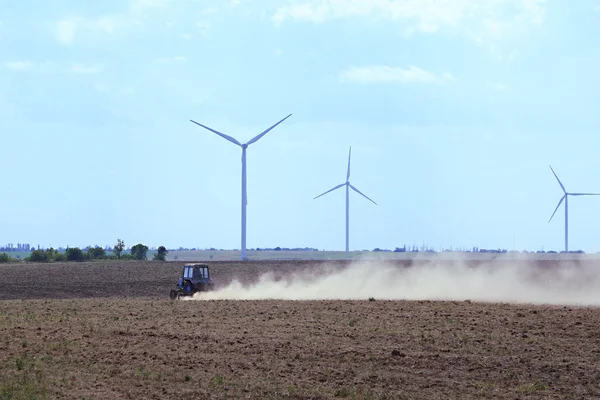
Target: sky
(454,110)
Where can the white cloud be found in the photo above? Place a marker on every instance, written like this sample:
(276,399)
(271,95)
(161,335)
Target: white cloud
(84,69)
(496,85)
(203,25)
(65,32)
(49,67)
(142,5)
(115,90)
(209,11)
(172,59)
(67,29)
(28,66)
(108,24)
(473,18)
(385,74)
(19,65)
(204,28)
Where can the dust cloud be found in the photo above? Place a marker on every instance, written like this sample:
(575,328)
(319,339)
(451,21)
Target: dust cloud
(510,283)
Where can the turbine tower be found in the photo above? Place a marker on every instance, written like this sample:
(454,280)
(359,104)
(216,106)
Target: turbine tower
(565,198)
(348,187)
(244,146)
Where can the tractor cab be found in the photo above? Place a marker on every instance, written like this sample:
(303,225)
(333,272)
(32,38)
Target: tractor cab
(195,271)
(195,278)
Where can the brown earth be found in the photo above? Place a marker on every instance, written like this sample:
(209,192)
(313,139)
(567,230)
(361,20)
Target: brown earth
(107,330)
(150,279)
(125,279)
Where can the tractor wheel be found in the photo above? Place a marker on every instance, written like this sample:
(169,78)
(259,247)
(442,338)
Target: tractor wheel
(173,294)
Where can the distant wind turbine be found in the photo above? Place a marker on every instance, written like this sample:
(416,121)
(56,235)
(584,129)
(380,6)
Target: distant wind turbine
(244,146)
(348,187)
(565,198)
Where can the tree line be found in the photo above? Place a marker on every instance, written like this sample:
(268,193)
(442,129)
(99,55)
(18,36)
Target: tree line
(137,252)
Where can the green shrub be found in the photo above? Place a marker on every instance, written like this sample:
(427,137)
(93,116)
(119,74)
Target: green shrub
(119,248)
(59,257)
(96,253)
(52,254)
(75,254)
(139,251)
(161,255)
(5,258)
(39,256)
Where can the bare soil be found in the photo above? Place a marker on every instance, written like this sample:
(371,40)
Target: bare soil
(108,330)
(127,279)
(149,279)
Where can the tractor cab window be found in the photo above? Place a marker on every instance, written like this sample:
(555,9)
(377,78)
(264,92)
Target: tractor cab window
(200,273)
(187,273)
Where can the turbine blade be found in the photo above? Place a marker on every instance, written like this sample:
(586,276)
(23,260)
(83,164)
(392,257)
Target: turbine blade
(267,131)
(224,136)
(349,156)
(331,190)
(559,182)
(556,209)
(584,194)
(359,192)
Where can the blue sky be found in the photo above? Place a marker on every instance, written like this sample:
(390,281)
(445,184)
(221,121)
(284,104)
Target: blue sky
(454,109)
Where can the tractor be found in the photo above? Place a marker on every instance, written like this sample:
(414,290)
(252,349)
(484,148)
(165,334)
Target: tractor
(195,278)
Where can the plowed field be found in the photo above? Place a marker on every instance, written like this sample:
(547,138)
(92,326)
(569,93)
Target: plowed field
(108,330)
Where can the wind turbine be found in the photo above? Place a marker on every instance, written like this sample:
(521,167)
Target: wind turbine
(348,187)
(565,198)
(244,146)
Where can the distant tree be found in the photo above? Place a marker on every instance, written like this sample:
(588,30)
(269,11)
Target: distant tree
(4,258)
(51,252)
(96,253)
(161,254)
(55,255)
(75,254)
(119,247)
(59,257)
(39,256)
(139,252)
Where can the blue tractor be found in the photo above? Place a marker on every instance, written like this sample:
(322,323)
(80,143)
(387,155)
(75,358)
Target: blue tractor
(195,278)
